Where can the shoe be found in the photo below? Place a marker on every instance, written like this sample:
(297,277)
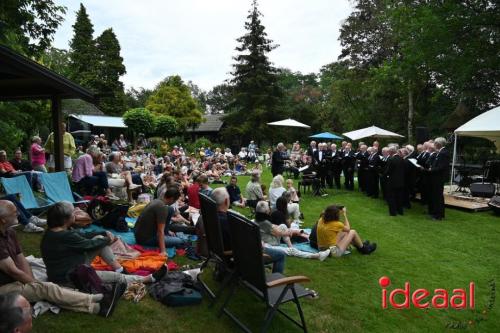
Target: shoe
(133,186)
(324,254)
(32,228)
(366,242)
(110,300)
(159,274)
(38,221)
(112,197)
(367,249)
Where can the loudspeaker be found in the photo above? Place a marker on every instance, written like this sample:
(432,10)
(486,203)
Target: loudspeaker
(483,190)
(421,134)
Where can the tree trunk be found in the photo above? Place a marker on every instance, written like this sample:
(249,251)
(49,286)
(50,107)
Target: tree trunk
(411,112)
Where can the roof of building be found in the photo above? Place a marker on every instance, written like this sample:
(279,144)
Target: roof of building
(101,121)
(22,78)
(212,123)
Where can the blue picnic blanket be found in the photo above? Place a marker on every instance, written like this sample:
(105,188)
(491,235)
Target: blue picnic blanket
(304,246)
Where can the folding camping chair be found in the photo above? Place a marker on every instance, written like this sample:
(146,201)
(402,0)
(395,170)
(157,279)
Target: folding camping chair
(19,185)
(215,245)
(274,289)
(56,186)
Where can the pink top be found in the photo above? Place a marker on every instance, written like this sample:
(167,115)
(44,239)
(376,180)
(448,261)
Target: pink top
(37,155)
(83,168)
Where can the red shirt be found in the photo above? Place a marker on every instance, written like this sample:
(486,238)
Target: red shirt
(193,195)
(7,167)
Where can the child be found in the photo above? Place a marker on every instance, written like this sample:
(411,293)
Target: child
(294,196)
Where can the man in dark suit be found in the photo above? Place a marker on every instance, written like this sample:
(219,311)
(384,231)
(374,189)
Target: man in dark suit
(278,160)
(362,164)
(336,164)
(348,163)
(310,150)
(381,170)
(395,174)
(427,181)
(320,158)
(372,173)
(410,177)
(438,172)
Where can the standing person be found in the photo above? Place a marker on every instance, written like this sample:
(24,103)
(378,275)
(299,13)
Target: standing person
(278,160)
(320,160)
(362,164)
(395,174)
(381,171)
(69,149)
(348,163)
(335,165)
(372,173)
(37,153)
(438,174)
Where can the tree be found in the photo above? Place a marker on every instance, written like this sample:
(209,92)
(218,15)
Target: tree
(109,69)
(28,26)
(83,52)
(256,92)
(137,98)
(57,60)
(165,126)
(173,98)
(139,120)
(199,95)
(219,98)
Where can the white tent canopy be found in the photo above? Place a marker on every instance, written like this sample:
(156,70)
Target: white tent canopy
(373,132)
(289,123)
(486,125)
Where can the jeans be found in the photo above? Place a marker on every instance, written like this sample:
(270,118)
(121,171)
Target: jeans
(277,257)
(98,179)
(23,215)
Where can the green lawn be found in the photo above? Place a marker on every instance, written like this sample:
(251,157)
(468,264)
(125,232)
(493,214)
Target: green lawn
(412,248)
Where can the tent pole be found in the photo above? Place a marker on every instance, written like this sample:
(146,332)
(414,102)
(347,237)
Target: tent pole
(453,162)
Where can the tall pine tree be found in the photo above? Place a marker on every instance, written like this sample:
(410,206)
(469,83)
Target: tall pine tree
(83,51)
(109,69)
(256,91)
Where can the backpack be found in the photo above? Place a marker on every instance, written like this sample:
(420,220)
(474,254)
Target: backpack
(86,280)
(115,219)
(176,289)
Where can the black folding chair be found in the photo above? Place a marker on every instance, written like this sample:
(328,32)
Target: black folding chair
(274,289)
(215,245)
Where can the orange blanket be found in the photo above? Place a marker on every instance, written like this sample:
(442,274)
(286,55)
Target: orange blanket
(147,261)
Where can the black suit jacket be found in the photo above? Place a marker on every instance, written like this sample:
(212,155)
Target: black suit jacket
(395,172)
(440,165)
(348,160)
(277,162)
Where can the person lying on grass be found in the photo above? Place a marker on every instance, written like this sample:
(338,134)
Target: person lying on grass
(64,249)
(272,234)
(337,236)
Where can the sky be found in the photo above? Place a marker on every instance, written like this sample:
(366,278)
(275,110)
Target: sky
(196,39)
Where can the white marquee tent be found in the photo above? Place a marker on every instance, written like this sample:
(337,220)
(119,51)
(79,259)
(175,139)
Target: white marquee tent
(486,125)
(371,132)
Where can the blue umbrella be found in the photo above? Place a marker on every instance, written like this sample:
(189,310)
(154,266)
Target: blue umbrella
(326,136)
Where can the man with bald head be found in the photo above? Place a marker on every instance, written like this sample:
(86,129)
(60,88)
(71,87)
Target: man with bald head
(16,275)
(15,314)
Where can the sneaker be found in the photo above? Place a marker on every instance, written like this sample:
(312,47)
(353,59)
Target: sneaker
(133,186)
(32,228)
(324,254)
(159,274)
(38,221)
(109,300)
(112,197)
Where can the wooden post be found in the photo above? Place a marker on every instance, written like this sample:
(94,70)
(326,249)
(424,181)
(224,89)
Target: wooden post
(58,139)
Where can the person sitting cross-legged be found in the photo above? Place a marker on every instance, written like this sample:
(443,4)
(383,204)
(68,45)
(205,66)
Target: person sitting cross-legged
(16,275)
(235,193)
(273,234)
(153,225)
(64,249)
(337,236)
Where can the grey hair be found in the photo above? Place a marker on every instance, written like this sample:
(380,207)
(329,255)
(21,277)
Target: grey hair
(11,315)
(280,145)
(278,181)
(220,195)
(393,149)
(410,148)
(35,138)
(262,207)
(59,213)
(440,141)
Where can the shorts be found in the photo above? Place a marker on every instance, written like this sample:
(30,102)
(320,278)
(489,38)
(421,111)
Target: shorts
(336,252)
(67,162)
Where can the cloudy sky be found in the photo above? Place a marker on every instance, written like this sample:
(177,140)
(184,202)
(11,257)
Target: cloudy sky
(196,38)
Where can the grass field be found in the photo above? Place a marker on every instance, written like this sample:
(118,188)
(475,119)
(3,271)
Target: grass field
(464,247)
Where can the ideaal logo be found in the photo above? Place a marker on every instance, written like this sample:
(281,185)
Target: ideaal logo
(460,298)
(440,299)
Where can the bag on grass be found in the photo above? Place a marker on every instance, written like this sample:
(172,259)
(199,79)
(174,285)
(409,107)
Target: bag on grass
(85,279)
(115,219)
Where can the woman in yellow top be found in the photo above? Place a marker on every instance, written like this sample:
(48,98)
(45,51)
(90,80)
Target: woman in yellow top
(337,236)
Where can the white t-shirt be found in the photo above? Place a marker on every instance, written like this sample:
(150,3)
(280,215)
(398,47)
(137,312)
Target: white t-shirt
(274,194)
